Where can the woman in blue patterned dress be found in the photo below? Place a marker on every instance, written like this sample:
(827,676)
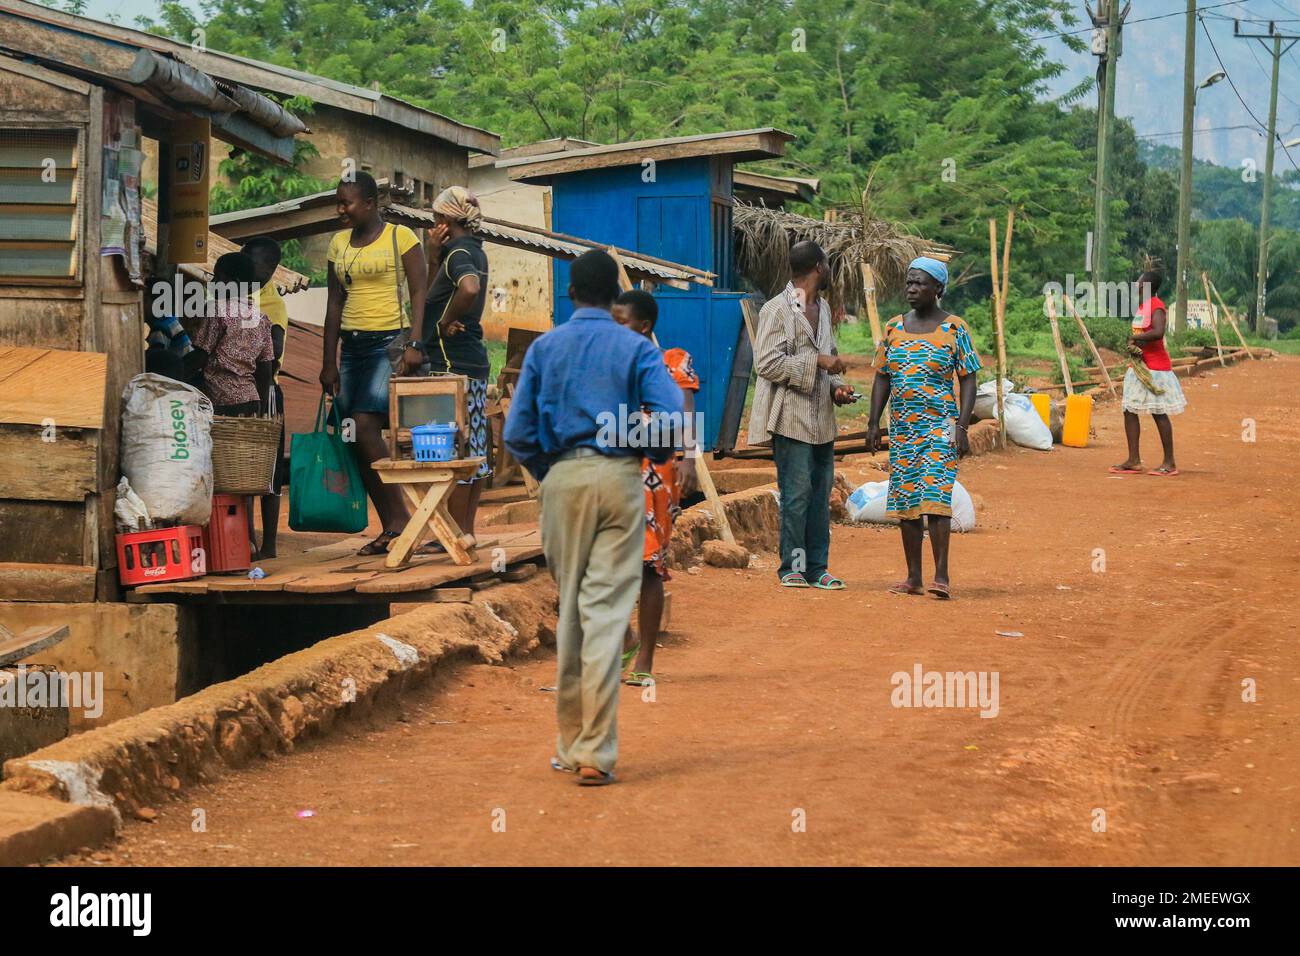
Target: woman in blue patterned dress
(914,366)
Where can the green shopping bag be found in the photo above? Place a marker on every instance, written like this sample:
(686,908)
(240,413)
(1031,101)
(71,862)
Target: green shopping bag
(325,489)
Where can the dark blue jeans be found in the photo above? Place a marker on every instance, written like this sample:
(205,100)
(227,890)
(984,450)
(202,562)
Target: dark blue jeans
(804,476)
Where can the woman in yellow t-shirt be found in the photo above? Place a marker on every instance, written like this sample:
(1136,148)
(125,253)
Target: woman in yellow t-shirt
(364,313)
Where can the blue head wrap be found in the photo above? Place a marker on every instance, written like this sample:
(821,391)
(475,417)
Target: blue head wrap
(931,266)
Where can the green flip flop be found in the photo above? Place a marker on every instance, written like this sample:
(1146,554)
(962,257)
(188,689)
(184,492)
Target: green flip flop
(829,582)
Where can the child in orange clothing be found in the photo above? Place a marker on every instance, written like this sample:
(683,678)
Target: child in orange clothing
(664,487)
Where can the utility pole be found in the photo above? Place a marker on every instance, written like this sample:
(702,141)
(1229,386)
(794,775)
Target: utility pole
(1185,173)
(1275,50)
(1106,45)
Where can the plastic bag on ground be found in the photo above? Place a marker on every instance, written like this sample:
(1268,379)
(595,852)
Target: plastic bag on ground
(167,448)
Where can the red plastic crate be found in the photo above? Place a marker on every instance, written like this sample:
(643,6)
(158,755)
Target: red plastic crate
(225,536)
(167,554)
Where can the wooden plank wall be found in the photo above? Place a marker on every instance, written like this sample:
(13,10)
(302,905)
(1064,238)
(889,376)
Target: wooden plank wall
(56,498)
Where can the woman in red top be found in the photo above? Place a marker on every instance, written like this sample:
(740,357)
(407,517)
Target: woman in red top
(1165,397)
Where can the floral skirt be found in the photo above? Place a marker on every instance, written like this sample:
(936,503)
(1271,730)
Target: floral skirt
(1140,400)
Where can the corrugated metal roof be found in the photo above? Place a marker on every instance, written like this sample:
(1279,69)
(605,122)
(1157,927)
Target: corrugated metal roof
(759,143)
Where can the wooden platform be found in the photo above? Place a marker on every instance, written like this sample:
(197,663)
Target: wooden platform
(335,574)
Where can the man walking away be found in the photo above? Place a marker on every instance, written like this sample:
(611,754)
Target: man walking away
(799,377)
(569,425)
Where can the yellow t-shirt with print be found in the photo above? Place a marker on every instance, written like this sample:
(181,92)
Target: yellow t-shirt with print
(271,302)
(369,278)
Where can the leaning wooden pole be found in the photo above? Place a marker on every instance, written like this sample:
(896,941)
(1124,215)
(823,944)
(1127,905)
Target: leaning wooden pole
(997,331)
(1232,320)
(869,296)
(1056,341)
(1218,344)
(1092,347)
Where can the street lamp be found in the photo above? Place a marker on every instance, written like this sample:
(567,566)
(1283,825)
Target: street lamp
(1213,78)
(1291,142)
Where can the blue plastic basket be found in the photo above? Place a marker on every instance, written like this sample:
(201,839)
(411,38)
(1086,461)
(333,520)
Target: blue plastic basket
(433,442)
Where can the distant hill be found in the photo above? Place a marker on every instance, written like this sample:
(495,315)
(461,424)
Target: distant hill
(1219,193)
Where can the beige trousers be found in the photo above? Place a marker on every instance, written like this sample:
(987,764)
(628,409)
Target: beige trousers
(593,530)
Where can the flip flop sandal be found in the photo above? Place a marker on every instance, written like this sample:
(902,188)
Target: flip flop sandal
(591,777)
(374,546)
(1160,473)
(639,679)
(829,582)
(794,580)
(902,587)
(629,654)
(1117,470)
(556,765)
(940,591)
(431,547)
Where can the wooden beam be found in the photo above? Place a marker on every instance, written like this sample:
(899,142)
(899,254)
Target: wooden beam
(1056,341)
(1000,369)
(66,387)
(1218,345)
(1083,330)
(47,582)
(32,469)
(869,295)
(1232,320)
(33,640)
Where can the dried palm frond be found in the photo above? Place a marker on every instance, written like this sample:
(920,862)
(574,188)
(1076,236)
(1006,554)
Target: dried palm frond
(764,237)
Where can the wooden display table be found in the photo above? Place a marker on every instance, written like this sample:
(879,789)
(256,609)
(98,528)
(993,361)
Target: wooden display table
(426,485)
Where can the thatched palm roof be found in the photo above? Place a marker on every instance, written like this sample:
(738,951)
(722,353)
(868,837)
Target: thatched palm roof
(764,237)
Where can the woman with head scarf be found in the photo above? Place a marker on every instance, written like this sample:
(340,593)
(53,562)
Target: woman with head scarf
(452,342)
(373,266)
(915,363)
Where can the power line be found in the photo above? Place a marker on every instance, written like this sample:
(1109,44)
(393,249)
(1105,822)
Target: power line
(1204,129)
(1237,93)
(1163,16)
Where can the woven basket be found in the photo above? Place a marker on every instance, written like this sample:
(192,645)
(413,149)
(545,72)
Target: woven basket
(243,454)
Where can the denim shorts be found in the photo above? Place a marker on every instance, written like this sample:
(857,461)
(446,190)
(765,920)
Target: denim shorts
(364,371)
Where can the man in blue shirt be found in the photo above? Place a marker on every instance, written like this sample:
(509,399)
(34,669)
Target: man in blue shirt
(574,423)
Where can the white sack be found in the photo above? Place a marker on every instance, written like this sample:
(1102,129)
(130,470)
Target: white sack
(167,448)
(867,504)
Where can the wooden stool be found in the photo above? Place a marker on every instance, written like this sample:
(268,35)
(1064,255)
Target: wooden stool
(426,485)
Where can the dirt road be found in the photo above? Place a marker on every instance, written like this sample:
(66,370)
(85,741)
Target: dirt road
(1124,696)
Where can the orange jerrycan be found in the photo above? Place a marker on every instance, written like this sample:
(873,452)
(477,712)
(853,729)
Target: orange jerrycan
(1078,421)
(1042,405)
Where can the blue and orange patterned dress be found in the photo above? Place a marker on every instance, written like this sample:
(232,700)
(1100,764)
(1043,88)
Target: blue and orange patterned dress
(923,413)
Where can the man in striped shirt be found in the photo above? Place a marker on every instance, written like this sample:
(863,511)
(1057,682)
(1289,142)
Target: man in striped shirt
(799,383)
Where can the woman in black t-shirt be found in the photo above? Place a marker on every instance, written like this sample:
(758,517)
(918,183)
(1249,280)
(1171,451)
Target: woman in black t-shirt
(453,329)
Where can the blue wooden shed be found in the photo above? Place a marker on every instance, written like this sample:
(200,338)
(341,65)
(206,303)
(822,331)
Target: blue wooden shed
(670,198)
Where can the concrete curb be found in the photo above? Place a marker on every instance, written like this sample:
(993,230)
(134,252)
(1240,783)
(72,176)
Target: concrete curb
(139,760)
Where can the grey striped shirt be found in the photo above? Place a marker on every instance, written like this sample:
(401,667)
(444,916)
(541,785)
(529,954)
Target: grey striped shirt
(793,396)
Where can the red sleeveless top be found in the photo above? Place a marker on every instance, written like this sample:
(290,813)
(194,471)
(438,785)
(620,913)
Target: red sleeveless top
(1153,352)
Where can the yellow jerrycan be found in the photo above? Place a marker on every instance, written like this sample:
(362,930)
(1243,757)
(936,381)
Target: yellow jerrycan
(1042,405)
(1078,421)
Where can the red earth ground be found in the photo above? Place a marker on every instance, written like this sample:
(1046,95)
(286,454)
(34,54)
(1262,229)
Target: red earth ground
(1123,697)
